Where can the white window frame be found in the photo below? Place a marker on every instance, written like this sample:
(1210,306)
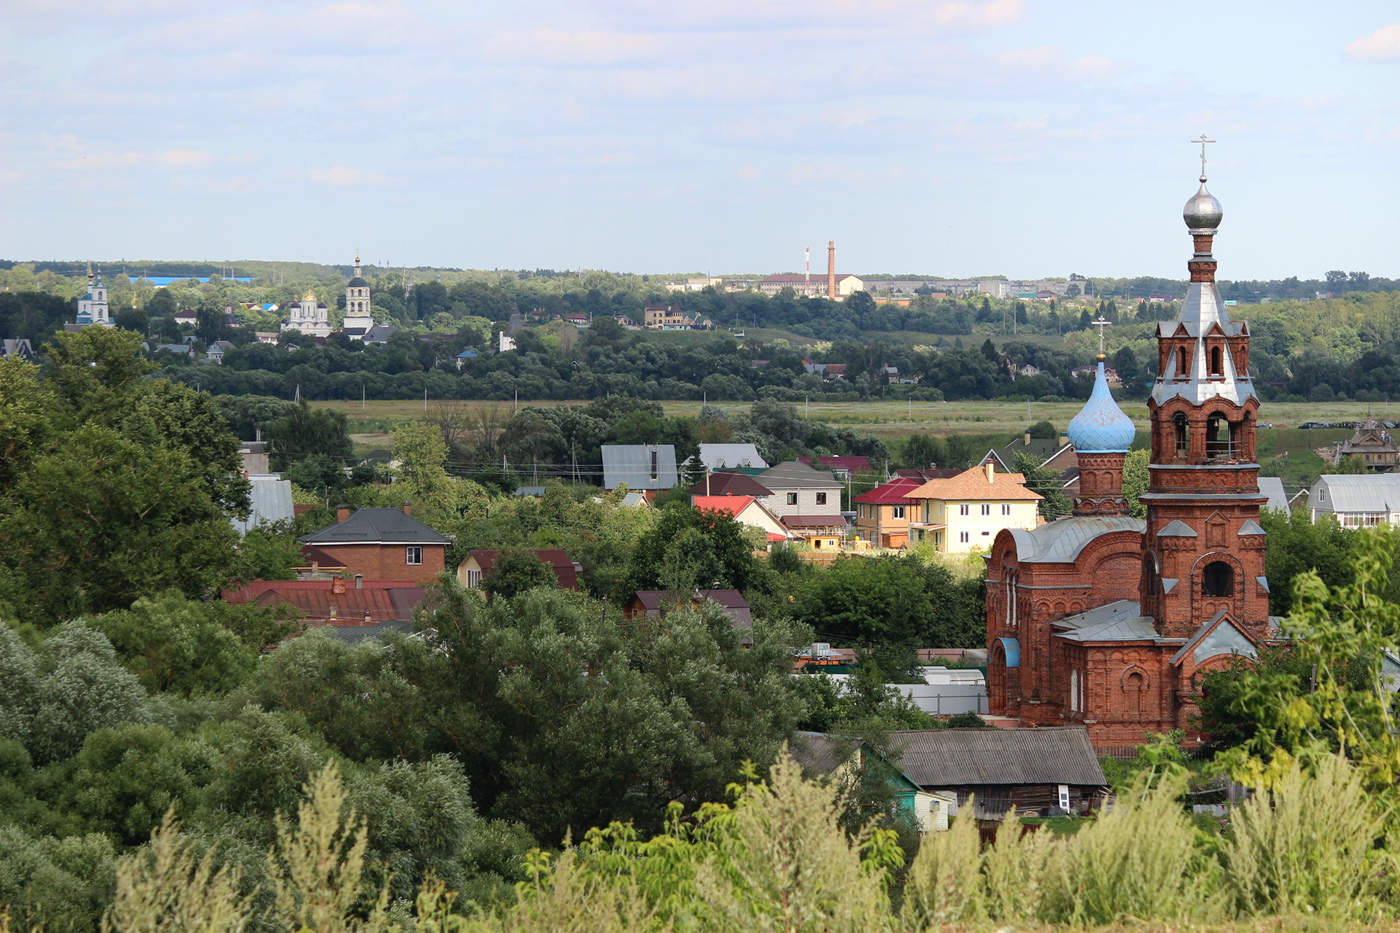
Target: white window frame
(986,509)
(962,537)
(962,509)
(896,511)
(413,555)
(1006,508)
(792,498)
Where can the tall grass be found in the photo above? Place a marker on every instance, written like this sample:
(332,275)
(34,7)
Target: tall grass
(1308,847)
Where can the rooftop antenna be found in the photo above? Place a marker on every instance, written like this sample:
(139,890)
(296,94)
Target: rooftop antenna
(807,275)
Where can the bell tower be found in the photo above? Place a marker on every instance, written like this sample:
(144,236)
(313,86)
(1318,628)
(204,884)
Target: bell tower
(1203,549)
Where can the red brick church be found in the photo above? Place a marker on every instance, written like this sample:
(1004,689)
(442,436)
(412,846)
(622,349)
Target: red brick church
(1110,621)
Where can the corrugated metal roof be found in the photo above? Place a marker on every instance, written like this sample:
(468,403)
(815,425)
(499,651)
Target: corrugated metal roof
(376,526)
(820,754)
(719,456)
(632,464)
(969,757)
(1373,492)
(271,501)
(1272,486)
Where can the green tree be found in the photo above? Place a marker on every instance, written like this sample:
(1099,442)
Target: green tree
(421,453)
(304,431)
(693,548)
(1053,503)
(1135,481)
(175,644)
(517,571)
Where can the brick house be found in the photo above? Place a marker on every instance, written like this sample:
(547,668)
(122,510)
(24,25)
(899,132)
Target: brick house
(382,544)
(479,564)
(1111,621)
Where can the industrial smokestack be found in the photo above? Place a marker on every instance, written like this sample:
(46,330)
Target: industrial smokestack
(831,269)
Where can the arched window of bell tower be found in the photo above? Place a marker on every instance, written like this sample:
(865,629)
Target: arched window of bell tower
(1218,579)
(1179,431)
(1181,361)
(1217,361)
(1219,436)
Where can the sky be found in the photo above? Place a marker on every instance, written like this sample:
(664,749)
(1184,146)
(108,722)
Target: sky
(943,137)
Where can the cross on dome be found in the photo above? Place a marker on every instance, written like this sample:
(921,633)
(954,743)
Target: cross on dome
(1203,142)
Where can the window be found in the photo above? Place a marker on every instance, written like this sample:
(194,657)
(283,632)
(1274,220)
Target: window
(655,466)
(792,498)
(1218,579)
(473,579)
(1006,508)
(986,510)
(413,554)
(896,511)
(1181,361)
(821,498)
(1217,367)
(962,536)
(962,510)
(1183,443)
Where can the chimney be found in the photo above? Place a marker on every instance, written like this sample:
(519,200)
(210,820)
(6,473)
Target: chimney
(1026,439)
(338,586)
(407,509)
(342,513)
(991,472)
(831,269)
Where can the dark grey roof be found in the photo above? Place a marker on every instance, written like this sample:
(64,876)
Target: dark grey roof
(377,526)
(936,758)
(379,333)
(795,474)
(820,754)
(357,282)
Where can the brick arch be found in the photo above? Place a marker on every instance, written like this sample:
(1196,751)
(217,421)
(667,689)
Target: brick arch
(1134,684)
(1235,601)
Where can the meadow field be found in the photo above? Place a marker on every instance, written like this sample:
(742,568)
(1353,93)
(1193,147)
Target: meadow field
(888,420)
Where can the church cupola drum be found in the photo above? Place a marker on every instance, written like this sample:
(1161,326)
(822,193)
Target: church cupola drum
(1203,547)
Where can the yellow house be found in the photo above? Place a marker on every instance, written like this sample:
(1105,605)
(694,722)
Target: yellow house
(966,511)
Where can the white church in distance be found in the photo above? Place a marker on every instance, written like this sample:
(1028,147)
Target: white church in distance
(312,318)
(92,307)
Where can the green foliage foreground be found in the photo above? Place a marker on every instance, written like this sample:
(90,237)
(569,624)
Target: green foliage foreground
(775,858)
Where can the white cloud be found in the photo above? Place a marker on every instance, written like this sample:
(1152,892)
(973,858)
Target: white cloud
(990,14)
(342,176)
(185,158)
(560,47)
(1383,45)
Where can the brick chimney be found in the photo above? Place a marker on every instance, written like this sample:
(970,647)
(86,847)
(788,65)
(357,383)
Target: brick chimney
(831,269)
(342,512)
(407,509)
(338,586)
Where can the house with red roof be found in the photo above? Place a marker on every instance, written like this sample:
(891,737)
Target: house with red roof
(480,563)
(729,483)
(746,510)
(354,611)
(882,514)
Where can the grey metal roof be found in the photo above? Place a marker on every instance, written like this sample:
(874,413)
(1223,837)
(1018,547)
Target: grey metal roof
(1272,486)
(1060,541)
(794,474)
(1219,635)
(631,464)
(358,633)
(970,757)
(1121,620)
(1176,528)
(1251,527)
(271,501)
(1201,311)
(376,526)
(1364,492)
(719,456)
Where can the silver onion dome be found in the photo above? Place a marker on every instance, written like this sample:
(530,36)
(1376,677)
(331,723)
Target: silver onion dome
(1203,211)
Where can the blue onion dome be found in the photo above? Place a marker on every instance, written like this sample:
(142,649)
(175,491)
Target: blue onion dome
(1101,426)
(1203,211)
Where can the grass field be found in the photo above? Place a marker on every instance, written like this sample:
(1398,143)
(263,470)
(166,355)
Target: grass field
(889,419)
